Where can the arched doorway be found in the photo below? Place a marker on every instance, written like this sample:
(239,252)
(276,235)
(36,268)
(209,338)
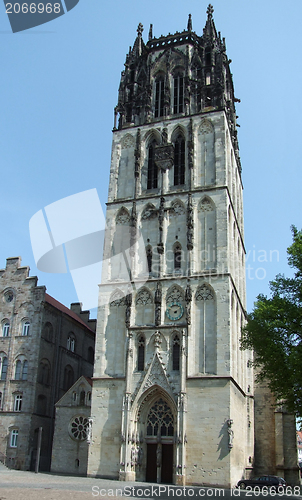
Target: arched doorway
(159,439)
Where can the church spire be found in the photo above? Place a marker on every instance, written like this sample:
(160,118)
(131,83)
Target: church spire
(209,29)
(189,27)
(137,47)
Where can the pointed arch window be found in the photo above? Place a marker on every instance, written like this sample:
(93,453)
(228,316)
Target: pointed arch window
(152,168)
(175,353)
(159,97)
(179,161)
(177,256)
(160,420)
(178,106)
(208,79)
(141,354)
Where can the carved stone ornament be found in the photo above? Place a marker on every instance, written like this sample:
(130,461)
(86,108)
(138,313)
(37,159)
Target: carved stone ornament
(150,212)
(177,208)
(157,376)
(117,299)
(188,299)
(230,433)
(206,127)
(205,206)
(144,297)
(174,295)
(190,224)
(164,156)
(157,340)
(128,302)
(204,293)
(127,141)
(158,298)
(123,216)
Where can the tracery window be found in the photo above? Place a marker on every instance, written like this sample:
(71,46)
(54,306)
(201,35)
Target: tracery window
(179,161)
(152,168)
(141,354)
(178,94)
(159,97)
(160,420)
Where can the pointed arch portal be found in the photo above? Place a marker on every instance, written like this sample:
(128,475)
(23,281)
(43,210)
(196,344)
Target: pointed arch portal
(159,438)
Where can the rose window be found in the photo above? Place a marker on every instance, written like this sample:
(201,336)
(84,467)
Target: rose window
(79,428)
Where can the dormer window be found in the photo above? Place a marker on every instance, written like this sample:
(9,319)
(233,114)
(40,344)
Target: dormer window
(159,97)
(178,94)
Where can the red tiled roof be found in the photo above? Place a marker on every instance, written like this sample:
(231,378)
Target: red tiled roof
(55,303)
(89,380)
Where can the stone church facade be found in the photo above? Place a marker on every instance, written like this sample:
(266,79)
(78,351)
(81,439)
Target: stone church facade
(172,392)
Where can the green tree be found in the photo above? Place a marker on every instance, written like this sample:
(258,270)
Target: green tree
(274,332)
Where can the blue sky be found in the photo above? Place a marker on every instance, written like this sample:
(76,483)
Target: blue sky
(59,86)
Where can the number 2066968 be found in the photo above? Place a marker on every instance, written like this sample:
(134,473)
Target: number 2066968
(32,8)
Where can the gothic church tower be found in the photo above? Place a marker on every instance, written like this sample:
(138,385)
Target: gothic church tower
(172,392)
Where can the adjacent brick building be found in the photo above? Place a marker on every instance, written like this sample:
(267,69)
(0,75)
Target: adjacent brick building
(44,348)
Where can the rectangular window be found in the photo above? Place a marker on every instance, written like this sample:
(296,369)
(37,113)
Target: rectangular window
(3,368)
(14,438)
(18,370)
(5,330)
(25,329)
(18,402)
